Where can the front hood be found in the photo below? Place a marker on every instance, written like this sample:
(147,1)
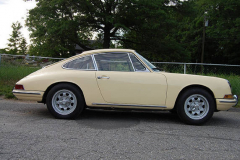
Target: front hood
(218,86)
(190,76)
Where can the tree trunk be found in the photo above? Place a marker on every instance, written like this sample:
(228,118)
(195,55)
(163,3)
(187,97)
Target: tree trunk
(106,39)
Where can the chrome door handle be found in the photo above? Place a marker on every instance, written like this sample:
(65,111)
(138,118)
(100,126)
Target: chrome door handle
(103,77)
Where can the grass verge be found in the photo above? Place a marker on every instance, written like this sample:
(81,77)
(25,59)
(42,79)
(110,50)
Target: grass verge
(9,75)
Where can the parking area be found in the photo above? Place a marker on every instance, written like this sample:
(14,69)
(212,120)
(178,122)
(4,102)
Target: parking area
(28,131)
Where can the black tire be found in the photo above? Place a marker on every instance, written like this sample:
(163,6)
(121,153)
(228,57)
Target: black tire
(65,101)
(195,106)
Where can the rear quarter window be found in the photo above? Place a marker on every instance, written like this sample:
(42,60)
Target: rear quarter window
(83,63)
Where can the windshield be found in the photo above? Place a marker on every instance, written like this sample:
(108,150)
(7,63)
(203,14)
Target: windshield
(149,64)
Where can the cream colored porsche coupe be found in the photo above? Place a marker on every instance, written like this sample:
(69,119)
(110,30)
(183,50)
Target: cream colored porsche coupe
(121,78)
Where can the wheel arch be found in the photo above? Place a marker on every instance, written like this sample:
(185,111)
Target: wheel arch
(57,83)
(195,86)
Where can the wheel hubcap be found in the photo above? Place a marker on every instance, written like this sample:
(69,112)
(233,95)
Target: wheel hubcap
(64,102)
(196,106)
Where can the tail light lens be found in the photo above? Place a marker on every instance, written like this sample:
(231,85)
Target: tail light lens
(19,86)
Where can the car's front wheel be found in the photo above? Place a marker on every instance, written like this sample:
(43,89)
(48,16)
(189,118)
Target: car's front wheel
(195,106)
(65,101)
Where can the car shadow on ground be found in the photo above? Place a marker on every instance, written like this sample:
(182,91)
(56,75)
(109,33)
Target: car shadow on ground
(108,119)
(41,111)
(105,119)
(114,119)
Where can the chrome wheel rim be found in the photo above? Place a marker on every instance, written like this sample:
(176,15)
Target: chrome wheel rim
(196,106)
(64,102)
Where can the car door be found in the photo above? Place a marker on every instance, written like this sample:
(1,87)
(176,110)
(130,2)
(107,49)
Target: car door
(123,79)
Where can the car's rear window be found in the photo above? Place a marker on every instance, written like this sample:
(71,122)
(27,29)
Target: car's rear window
(83,63)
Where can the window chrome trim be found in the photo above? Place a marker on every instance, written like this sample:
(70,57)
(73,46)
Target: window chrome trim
(80,69)
(127,105)
(131,62)
(146,68)
(142,61)
(94,62)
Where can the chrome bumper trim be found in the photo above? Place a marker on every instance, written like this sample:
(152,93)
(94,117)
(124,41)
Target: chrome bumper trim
(34,93)
(127,105)
(233,101)
(236,98)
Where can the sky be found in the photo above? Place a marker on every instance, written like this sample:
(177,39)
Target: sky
(12,11)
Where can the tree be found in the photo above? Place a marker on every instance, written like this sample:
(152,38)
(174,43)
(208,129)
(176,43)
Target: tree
(156,33)
(223,30)
(162,30)
(57,25)
(3,50)
(222,33)
(23,46)
(188,28)
(60,24)
(17,43)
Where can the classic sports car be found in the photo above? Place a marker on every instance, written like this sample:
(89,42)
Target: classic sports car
(121,78)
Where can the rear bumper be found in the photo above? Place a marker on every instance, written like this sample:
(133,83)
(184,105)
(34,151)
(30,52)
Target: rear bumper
(225,104)
(28,95)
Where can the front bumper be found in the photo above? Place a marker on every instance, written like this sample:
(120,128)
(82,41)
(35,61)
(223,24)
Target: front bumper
(236,98)
(225,104)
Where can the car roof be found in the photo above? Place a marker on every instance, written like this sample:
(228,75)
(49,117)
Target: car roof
(94,52)
(106,50)
(90,53)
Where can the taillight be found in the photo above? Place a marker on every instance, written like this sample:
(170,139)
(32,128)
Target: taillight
(19,86)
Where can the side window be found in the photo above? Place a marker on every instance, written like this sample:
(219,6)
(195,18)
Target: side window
(84,63)
(113,62)
(138,66)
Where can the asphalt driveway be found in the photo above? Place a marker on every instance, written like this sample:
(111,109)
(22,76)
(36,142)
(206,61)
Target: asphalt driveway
(28,131)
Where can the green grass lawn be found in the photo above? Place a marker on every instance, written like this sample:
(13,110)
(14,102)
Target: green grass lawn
(9,75)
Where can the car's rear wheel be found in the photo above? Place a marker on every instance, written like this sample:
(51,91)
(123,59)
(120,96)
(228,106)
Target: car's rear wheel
(195,106)
(65,101)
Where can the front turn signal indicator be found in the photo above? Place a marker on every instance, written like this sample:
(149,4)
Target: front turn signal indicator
(228,96)
(19,87)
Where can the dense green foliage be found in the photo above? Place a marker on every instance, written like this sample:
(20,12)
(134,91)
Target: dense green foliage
(222,35)
(161,30)
(58,25)
(222,32)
